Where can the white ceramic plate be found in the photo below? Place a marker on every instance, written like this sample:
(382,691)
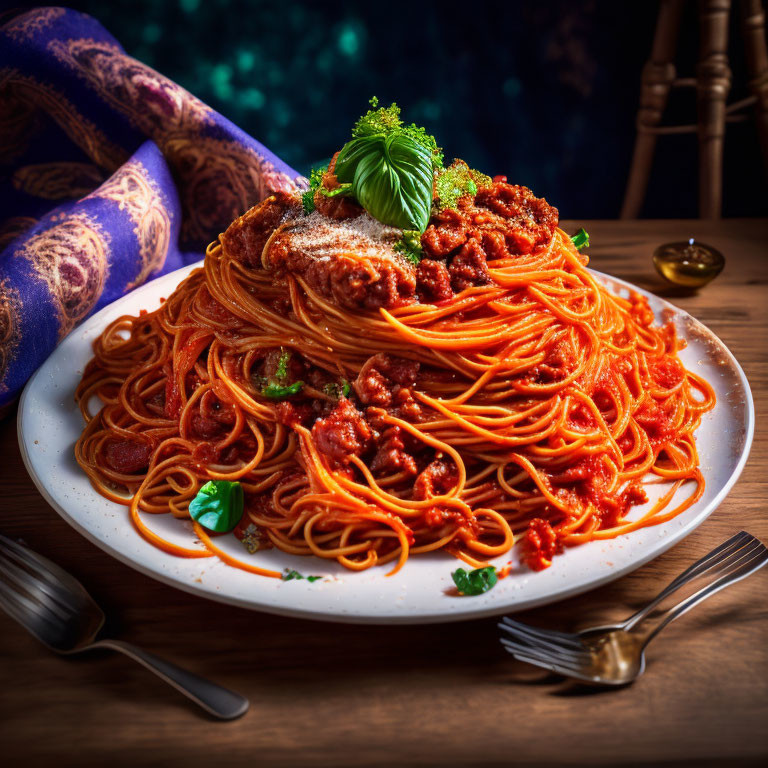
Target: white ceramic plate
(50,423)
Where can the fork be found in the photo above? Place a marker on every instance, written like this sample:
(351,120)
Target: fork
(615,654)
(57,610)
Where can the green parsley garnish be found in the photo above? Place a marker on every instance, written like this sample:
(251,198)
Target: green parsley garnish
(581,239)
(282,364)
(278,392)
(410,245)
(456,181)
(336,390)
(475,582)
(276,387)
(315,180)
(291,575)
(218,505)
(386,120)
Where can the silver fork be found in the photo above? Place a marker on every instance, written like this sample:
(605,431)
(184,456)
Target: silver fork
(57,610)
(614,654)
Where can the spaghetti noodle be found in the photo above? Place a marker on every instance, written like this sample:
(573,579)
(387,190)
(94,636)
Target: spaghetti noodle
(494,393)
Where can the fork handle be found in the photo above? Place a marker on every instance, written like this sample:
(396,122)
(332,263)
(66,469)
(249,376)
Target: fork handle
(711,564)
(218,701)
(731,573)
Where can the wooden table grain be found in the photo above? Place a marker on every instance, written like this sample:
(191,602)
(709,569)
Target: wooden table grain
(443,695)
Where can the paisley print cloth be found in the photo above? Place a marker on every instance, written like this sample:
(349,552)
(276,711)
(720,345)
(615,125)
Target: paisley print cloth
(110,175)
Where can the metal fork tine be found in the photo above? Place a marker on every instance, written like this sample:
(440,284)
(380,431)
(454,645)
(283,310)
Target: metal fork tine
(541,653)
(534,655)
(48,576)
(9,602)
(42,566)
(34,587)
(536,633)
(545,664)
(557,669)
(25,602)
(571,650)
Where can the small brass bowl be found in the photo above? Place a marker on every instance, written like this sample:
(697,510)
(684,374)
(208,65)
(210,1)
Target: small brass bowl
(688,263)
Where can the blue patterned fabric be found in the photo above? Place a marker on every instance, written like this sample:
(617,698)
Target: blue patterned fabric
(110,175)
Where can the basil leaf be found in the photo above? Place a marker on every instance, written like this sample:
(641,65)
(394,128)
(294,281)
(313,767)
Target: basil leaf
(218,505)
(581,239)
(475,582)
(278,392)
(391,178)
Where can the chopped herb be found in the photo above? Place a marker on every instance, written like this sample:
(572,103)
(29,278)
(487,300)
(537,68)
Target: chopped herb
(410,245)
(278,392)
(581,239)
(335,390)
(475,582)
(315,180)
(252,539)
(456,181)
(386,120)
(291,575)
(282,364)
(218,505)
(343,190)
(378,119)
(276,387)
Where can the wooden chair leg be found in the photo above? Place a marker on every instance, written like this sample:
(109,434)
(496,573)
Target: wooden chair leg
(756,50)
(714,82)
(657,78)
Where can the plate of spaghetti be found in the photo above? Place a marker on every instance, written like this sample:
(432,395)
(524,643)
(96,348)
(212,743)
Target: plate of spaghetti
(397,396)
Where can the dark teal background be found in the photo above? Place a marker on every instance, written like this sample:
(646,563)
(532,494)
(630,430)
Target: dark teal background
(544,92)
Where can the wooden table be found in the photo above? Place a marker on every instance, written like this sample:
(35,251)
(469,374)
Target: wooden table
(442,695)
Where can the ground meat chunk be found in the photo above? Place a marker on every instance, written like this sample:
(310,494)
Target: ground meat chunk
(127,456)
(382,376)
(391,455)
(293,414)
(406,406)
(343,433)
(351,261)
(246,236)
(448,232)
(339,206)
(469,267)
(437,479)
(530,220)
(433,280)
